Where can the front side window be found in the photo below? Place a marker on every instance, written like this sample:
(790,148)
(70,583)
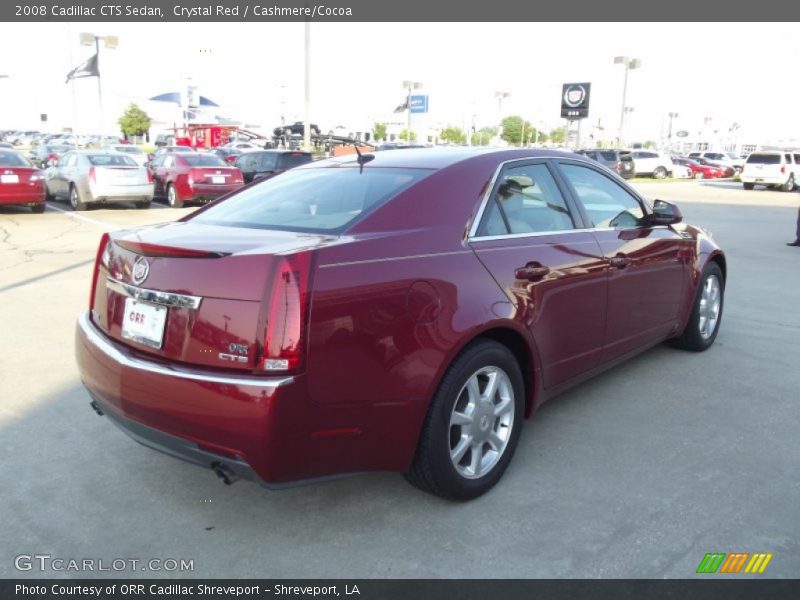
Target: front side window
(526,200)
(606,202)
(326,200)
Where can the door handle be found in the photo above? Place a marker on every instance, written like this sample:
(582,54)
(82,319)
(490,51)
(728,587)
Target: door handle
(531,272)
(619,261)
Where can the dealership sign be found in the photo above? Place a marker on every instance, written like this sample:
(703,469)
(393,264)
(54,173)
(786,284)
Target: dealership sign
(575,100)
(419,104)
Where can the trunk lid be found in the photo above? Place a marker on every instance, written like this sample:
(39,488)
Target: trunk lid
(120,176)
(201,298)
(215,175)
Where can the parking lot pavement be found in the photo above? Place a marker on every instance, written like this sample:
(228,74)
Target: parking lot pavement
(637,473)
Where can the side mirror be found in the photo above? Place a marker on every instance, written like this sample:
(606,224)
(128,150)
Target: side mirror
(665,213)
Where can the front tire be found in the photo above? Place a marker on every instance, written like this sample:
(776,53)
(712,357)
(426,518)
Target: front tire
(703,325)
(473,424)
(660,173)
(172,197)
(698,175)
(37,208)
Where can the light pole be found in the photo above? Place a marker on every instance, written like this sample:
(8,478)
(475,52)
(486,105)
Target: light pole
(672,115)
(110,42)
(630,63)
(500,95)
(409,85)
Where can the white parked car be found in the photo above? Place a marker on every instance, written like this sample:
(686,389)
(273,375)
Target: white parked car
(776,169)
(244,146)
(649,162)
(139,157)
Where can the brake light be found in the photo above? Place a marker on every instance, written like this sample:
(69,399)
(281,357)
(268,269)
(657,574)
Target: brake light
(149,176)
(238,177)
(287,320)
(103,258)
(52,157)
(92,175)
(783,169)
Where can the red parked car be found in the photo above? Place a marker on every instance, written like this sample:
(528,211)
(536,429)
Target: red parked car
(723,170)
(699,171)
(402,311)
(20,182)
(182,177)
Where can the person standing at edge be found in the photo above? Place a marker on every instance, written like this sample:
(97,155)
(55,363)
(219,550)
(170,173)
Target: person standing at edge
(796,241)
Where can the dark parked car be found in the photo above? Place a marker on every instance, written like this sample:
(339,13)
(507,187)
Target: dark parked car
(616,160)
(296,128)
(20,182)
(182,177)
(48,154)
(400,311)
(268,163)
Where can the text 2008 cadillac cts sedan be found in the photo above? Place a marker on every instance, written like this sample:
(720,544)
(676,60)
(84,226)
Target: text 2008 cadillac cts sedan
(397,311)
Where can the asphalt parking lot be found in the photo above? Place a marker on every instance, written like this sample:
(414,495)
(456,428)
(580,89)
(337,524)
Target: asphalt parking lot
(637,473)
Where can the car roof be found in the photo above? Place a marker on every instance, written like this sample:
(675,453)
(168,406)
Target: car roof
(439,158)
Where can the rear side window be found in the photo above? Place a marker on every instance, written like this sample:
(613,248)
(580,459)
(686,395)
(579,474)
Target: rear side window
(788,158)
(526,200)
(764,159)
(324,200)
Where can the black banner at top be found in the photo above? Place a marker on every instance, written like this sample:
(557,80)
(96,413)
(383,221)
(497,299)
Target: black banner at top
(264,11)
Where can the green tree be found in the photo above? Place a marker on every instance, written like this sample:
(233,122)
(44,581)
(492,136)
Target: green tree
(558,135)
(404,136)
(483,136)
(453,134)
(134,121)
(379,131)
(514,128)
(649,144)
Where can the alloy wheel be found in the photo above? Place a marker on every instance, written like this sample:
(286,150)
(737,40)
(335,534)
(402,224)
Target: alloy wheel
(710,302)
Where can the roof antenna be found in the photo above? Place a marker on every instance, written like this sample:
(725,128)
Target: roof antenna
(362,158)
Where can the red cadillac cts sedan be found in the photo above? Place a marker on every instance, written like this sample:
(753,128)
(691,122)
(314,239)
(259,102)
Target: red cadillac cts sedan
(20,182)
(400,311)
(190,176)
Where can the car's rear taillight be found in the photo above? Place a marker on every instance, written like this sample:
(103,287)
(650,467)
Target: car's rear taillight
(783,169)
(103,258)
(92,175)
(149,176)
(287,317)
(238,177)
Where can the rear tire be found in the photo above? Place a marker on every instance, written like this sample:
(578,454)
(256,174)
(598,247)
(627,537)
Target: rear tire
(703,325)
(143,204)
(172,197)
(699,175)
(660,173)
(473,424)
(37,208)
(75,199)
(789,185)
(748,186)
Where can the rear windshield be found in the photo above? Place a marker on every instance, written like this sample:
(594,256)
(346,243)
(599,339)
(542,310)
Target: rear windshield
(128,149)
(324,200)
(764,159)
(110,160)
(12,159)
(608,155)
(293,159)
(203,160)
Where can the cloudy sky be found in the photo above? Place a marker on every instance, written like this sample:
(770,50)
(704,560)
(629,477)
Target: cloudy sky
(744,73)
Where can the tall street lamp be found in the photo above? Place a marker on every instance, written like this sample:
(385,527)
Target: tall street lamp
(500,95)
(110,42)
(672,116)
(409,86)
(630,63)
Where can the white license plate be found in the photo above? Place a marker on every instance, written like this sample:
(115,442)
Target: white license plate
(144,323)
(759,180)
(218,179)
(9,178)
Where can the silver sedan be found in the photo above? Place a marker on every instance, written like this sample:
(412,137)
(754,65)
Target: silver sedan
(92,177)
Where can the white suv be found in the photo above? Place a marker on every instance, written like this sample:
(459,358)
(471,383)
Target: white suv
(772,169)
(647,162)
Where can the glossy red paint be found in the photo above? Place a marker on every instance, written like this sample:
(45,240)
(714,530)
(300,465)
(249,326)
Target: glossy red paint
(393,300)
(20,184)
(194,183)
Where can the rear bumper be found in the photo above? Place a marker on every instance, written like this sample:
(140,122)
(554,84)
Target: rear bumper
(122,193)
(201,192)
(266,429)
(765,179)
(31,196)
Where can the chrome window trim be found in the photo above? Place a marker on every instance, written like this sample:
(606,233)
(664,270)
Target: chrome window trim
(106,347)
(516,236)
(473,231)
(154,296)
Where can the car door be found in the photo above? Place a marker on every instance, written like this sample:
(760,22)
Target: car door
(59,182)
(648,265)
(534,245)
